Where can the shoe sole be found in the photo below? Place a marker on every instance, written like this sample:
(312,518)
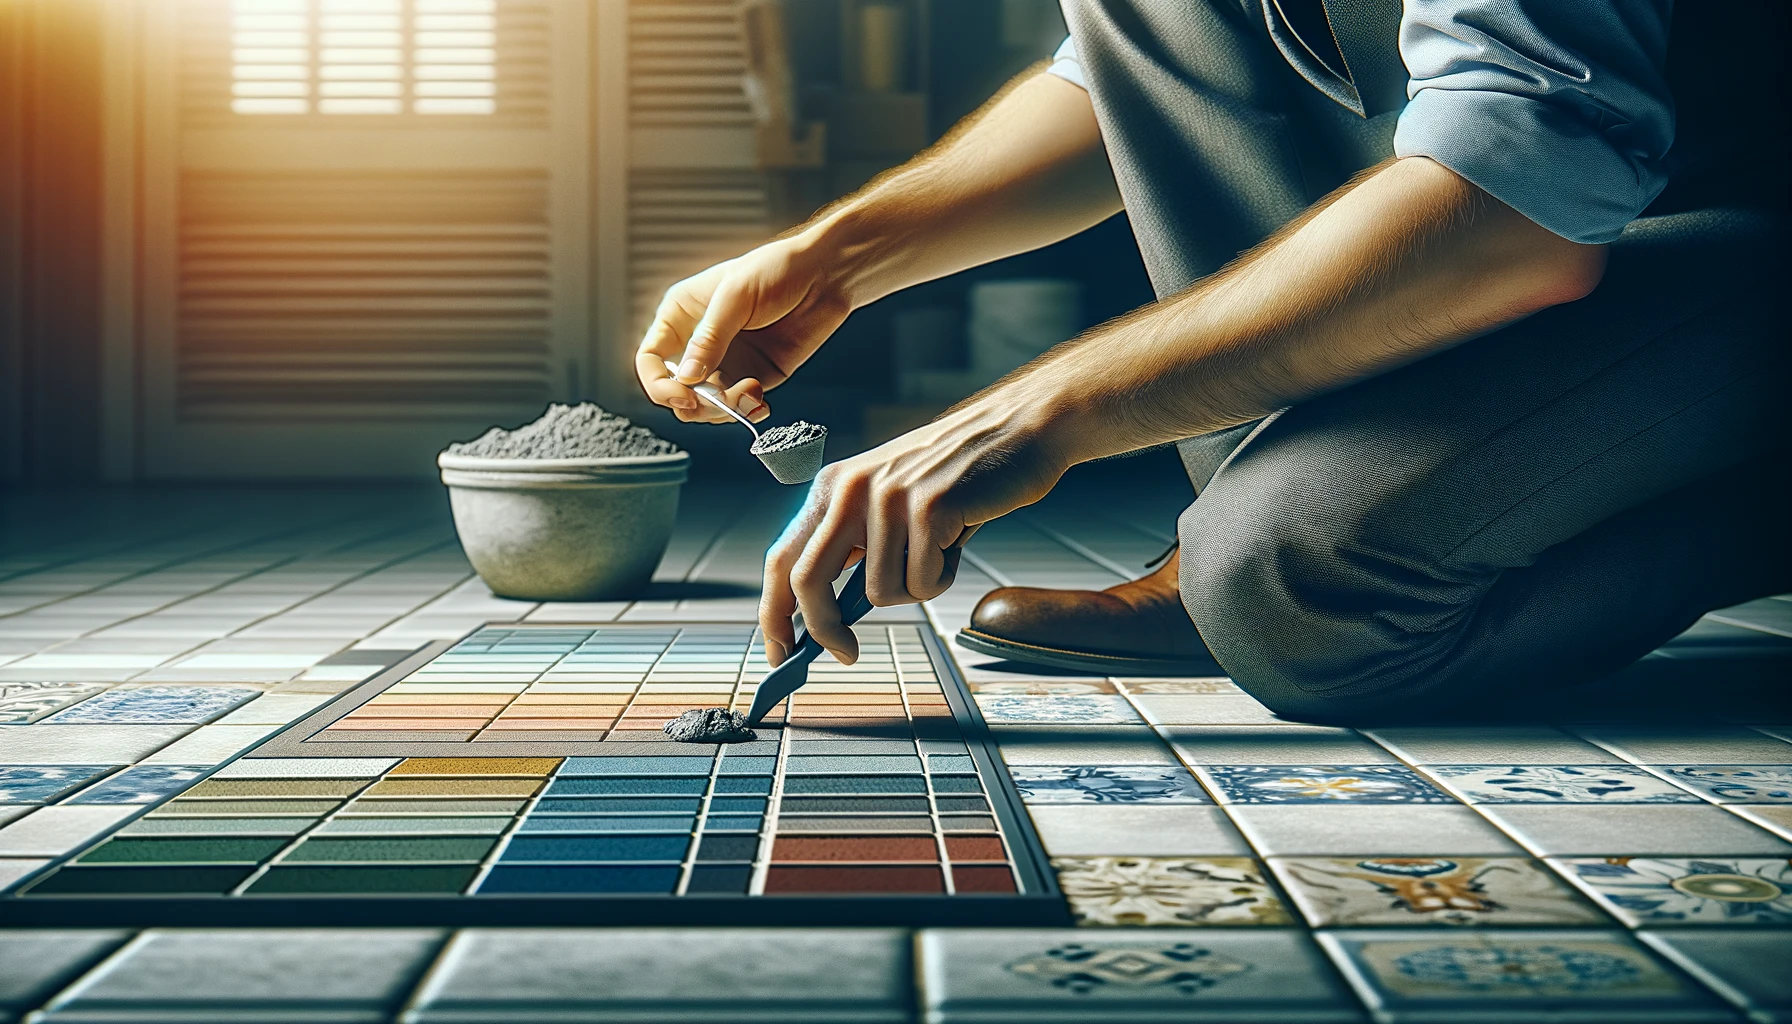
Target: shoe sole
(1083,661)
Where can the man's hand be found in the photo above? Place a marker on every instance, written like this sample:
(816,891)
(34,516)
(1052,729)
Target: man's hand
(906,507)
(744,325)
(1025,171)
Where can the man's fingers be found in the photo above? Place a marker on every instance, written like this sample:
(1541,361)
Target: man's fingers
(812,580)
(886,538)
(777,602)
(660,386)
(748,397)
(934,549)
(728,311)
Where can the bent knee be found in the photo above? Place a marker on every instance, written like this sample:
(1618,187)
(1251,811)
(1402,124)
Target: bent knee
(1301,611)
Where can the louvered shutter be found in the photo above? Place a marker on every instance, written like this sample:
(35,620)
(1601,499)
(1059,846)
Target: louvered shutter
(378,234)
(695,194)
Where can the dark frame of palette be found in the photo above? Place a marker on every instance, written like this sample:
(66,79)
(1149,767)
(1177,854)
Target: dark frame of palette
(1040,903)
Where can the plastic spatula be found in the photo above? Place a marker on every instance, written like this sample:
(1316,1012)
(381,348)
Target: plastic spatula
(789,677)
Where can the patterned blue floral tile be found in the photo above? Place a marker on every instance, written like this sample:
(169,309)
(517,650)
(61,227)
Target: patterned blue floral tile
(1736,783)
(24,703)
(1647,891)
(42,783)
(1107,784)
(1559,784)
(1321,784)
(156,705)
(1092,709)
(143,784)
(1568,974)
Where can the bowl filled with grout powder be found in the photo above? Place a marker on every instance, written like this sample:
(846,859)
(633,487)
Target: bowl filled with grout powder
(577,505)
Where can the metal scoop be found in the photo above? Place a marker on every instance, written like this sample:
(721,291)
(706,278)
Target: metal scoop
(796,464)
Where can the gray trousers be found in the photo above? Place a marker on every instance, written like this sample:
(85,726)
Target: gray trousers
(1533,509)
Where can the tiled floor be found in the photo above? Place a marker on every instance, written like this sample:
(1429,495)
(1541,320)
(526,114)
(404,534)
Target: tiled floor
(1621,857)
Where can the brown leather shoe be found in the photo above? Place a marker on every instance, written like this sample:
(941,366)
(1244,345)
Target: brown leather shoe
(1135,629)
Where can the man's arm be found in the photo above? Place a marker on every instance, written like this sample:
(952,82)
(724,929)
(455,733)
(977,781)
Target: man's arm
(1405,262)
(1027,170)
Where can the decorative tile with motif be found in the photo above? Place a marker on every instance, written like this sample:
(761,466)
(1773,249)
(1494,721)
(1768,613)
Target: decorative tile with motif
(1094,709)
(1106,784)
(1736,783)
(24,703)
(1648,891)
(191,705)
(142,784)
(42,783)
(1559,784)
(1083,967)
(1042,687)
(1490,974)
(1321,784)
(1347,891)
(1168,891)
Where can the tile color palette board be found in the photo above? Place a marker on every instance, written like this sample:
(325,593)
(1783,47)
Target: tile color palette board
(872,796)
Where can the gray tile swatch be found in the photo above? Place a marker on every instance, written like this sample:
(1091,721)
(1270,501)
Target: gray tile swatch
(249,976)
(35,964)
(1748,966)
(686,975)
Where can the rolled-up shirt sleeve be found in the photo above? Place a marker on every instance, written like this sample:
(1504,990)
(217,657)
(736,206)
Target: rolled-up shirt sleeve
(1558,108)
(1066,66)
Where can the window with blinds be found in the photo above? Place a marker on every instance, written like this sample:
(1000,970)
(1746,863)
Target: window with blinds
(363,56)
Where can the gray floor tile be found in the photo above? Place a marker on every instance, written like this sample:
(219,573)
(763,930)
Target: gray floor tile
(640,974)
(1515,977)
(211,744)
(1273,744)
(1499,744)
(251,975)
(1000,976)
(1747,967)
(1632,830)
(1384,830)
(1138,830)
(9,812)
(1717,745)
(54,831)
(35,964)
(1219,709)
(14,870)
(1087,744)
(89,744)
(1776,818)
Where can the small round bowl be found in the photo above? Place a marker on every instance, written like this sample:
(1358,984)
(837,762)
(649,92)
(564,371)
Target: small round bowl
(564,529)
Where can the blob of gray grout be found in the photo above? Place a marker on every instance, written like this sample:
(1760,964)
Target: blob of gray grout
(710,725)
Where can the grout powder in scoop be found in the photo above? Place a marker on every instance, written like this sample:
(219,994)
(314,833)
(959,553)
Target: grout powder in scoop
(780,439)
(710,725)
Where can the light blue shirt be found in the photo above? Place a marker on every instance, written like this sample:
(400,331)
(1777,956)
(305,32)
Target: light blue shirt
(1558,108)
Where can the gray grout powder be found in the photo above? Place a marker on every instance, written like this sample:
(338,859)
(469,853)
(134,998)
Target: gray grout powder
(582,431)
(780,439)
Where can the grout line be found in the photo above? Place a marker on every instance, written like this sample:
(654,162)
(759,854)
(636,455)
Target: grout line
(1126,574)
(986,569)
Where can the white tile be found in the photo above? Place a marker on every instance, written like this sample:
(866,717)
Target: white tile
(1492,744)
(14,870)
(275,709)
(1633,830)
(1069,830)
(211,744)
(1087,744)
(1273,744)
(1716,745)
(54,831)
(85,744)
(305,768)
(1387,830)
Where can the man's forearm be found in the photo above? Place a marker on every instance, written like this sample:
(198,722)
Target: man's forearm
(1411,260)
(1025,171)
